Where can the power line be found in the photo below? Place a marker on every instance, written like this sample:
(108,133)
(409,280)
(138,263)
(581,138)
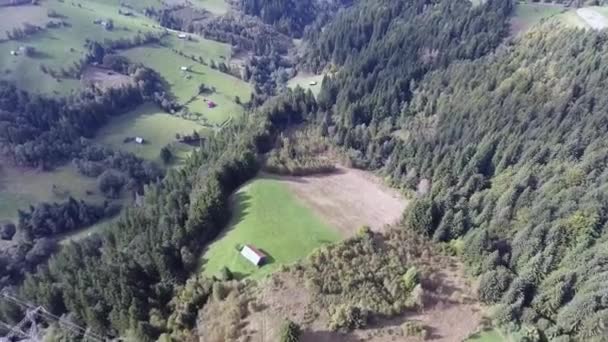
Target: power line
(33,313)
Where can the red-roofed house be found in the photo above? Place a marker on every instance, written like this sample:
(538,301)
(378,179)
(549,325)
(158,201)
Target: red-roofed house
(211,104)
(253,254)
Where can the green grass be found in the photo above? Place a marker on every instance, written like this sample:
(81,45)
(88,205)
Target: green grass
(213,6)
(86,232)
(149,122)
(495,335)
(603,10)
(491,335)
(303,80)
(61,47)
(16,16)
(168,63)
(20,187)
(571,19)
(530,14)
(269,217)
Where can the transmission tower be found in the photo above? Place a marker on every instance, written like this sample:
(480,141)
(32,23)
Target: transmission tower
(27,330)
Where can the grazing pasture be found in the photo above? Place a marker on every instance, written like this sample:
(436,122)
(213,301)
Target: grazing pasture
(21,187)
(348,199)
(213,6)
(268,216)
(17,16)
(529,14)
(156,127)
(184,84)
(307,81)
(104,78)
(61,47)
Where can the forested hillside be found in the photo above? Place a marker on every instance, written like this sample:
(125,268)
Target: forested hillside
(384,48)
(515,147)
(512,144)
(508,134)
(291,17)
(121,283)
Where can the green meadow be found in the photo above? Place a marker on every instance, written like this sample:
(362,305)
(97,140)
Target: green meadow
(495,335)
(529,14)
(149,122)
(268,216)
(20,188)
(61,47)
(184,85)
(305,81)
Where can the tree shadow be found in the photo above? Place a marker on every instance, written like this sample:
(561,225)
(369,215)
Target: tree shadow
(239,208)
(303,179)
(163,81)
(40,55)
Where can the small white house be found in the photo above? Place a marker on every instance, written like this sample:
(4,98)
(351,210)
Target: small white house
(14,53)
(139,140)
(313,83)
(184,68)
(253,254)
(182,36)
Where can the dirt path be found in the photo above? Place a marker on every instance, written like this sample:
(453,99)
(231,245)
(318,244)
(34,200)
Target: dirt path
(594,19)
(348,199)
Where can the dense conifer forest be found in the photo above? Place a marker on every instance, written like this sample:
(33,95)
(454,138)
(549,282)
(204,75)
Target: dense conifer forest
(519,171)
(508,131)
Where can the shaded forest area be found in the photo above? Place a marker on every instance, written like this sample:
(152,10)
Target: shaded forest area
(519,170)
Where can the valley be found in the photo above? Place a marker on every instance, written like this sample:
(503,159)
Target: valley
(311,170)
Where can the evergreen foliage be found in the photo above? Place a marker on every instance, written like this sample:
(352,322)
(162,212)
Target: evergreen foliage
(122,282)
(290,332)
(514,147)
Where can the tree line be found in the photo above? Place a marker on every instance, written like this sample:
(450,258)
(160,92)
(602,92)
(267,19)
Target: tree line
(38,230)
(120,283)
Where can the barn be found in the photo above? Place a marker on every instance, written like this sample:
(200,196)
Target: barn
(254,255)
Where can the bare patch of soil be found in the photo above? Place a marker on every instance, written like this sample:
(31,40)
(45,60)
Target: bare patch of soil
(592,18)
(451,314)
(105,78)
(348,199)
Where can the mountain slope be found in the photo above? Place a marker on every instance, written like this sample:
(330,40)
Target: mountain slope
(514,145)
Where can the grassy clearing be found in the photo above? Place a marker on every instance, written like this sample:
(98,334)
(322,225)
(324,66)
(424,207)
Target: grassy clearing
(185,84)
(495,335)
(86,232)
(304,80)
(21,187)
(149,122)
(571,19)
(16,16)
(269,217)
(214,6)
(603,10)
(492,335)
(61,47)
(529,14)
